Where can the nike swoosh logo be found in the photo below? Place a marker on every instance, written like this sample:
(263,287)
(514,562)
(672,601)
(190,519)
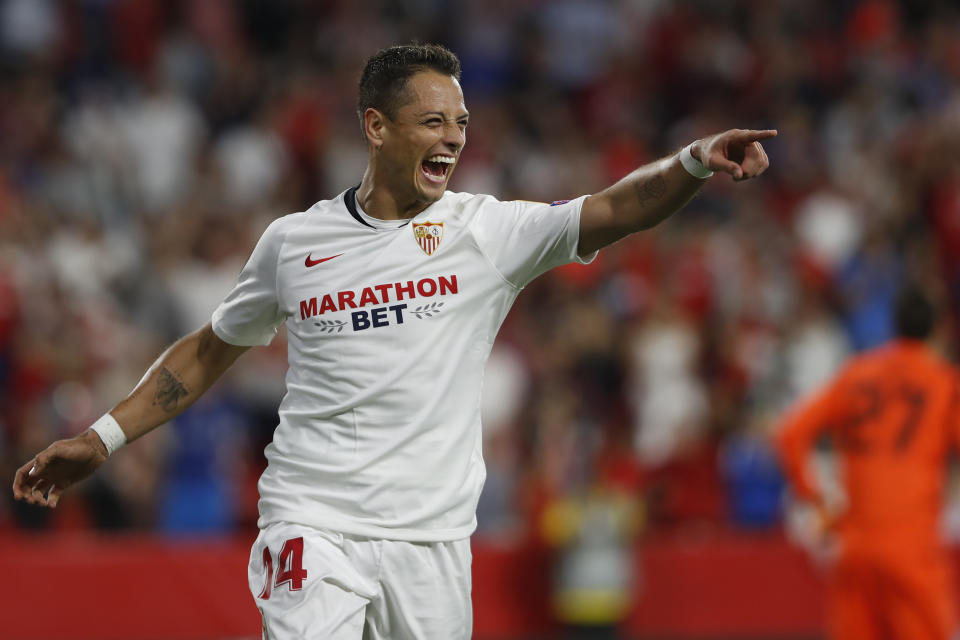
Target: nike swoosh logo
(312,263)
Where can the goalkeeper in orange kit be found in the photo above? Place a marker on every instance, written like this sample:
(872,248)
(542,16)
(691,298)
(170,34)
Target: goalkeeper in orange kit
(892,414)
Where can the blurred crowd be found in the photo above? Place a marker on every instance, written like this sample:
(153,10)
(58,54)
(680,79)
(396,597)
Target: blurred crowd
(147,143)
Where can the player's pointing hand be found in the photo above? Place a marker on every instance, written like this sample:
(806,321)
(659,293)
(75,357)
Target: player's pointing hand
(736,151)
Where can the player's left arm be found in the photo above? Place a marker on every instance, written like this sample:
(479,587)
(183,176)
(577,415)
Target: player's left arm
(656,191)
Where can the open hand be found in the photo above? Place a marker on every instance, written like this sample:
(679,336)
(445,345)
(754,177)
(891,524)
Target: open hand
(736,151)
(43,479)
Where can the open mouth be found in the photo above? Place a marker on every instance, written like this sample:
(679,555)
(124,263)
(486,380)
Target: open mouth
(436,168)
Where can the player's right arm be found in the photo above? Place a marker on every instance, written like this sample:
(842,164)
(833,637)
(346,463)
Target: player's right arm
(248,316)
(810,517)
(179,376)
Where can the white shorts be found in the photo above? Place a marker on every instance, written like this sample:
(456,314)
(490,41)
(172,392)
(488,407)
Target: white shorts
(312,583)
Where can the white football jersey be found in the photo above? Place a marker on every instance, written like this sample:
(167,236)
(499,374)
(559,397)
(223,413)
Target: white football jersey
(389,325)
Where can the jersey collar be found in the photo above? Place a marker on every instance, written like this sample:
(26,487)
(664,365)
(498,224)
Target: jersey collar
(350,200)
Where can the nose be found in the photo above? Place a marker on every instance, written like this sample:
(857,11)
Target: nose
(454,136)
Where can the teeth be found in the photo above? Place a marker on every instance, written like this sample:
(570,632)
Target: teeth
(444,159)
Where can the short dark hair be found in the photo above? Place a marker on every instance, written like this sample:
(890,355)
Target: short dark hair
(915,313)
(384,79)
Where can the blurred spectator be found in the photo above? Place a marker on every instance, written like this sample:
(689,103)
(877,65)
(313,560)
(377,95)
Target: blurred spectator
(163,131)
(200,486)
(670,402)
(751,474)
(29,27)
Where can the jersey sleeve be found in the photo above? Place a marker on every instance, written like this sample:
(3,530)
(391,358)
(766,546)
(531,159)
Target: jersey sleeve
(801,427)
(250,314)
(523,239)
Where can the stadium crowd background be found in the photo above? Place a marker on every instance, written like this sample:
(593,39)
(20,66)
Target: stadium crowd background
(146,144)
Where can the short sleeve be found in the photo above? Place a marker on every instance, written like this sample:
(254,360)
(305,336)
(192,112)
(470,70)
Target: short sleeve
(524,239)
(250,314)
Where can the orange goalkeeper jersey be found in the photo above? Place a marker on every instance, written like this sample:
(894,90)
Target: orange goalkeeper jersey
(892,414)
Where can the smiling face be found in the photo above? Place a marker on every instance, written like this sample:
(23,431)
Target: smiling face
(416,151)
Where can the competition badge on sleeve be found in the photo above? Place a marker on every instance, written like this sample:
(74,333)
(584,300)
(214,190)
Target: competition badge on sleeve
(428,235)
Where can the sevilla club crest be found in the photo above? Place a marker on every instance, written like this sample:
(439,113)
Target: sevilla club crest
(428,235)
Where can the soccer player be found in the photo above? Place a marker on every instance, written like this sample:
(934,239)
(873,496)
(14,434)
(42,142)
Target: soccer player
(392,293)
(892,416)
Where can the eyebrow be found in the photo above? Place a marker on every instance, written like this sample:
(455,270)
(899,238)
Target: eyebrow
(442,115)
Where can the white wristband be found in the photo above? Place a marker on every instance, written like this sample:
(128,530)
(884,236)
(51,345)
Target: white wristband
(110,432)
(693,166)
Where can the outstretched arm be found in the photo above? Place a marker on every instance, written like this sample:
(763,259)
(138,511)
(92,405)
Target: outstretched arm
(656,191)
(178,377)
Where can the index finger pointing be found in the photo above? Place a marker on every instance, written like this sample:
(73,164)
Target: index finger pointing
(752,135)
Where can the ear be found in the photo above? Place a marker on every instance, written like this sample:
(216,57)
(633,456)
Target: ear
(374,125)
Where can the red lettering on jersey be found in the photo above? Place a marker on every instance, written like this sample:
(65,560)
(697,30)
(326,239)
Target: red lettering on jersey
(308,308)
(404,289)
(384,290)
(327,304)
(427,287)
(346,300)
(448,286)
(367,297)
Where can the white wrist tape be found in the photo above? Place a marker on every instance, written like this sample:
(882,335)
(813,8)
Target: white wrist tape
(110,432)
(693,166)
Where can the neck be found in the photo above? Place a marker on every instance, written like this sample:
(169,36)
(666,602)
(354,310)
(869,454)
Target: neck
(378,200)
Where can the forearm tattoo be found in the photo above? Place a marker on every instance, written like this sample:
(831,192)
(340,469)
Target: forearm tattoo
(652,189)
(169,390)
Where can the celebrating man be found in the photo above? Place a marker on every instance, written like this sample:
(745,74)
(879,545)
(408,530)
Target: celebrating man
(392,294)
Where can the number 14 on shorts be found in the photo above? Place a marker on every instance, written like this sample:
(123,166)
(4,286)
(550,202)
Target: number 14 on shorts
(289,567)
